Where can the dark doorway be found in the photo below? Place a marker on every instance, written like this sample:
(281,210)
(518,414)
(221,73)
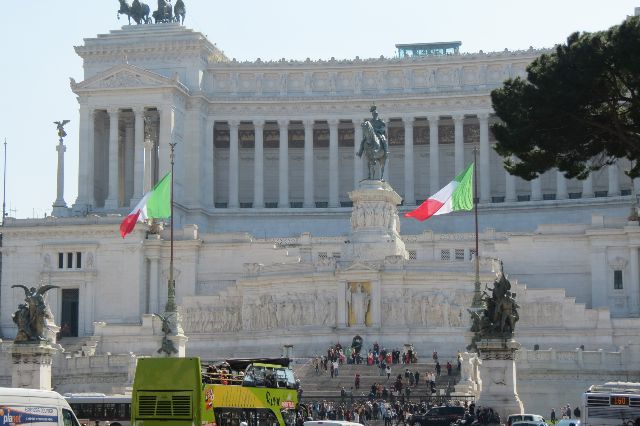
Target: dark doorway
(69,320)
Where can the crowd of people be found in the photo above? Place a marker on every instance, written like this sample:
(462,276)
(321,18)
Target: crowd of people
(392,412)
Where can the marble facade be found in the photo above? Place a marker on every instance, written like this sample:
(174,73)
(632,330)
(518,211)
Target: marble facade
(278,240)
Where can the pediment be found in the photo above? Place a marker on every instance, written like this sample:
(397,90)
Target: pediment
(124,76)
(362,266)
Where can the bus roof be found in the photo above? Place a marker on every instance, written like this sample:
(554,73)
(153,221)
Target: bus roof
(613,387)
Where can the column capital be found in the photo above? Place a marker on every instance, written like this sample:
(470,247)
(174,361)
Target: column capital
(308,123)
(210,120)
(457,117)
(333,122)
(233,123)
(138,111)
(433,119)
(283,122)
(483,116)
(408,119)
(258,124)
(113,110)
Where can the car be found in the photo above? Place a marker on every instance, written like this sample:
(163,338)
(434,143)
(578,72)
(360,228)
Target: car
(512,418)
(438,416)
(568,422)
(529,423)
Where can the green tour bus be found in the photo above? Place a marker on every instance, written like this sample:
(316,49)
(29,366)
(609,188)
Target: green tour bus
(180,392)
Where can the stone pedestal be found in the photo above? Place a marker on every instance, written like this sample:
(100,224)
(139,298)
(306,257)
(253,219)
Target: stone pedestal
(498,373)
(375,225)
(32,365)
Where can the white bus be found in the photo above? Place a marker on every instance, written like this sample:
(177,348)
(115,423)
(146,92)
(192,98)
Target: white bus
(611,404)
(98,409)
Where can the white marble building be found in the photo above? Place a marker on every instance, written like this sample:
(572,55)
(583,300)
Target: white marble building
(270,248)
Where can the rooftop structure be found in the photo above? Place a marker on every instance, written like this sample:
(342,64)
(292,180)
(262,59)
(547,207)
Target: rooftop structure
(429,49)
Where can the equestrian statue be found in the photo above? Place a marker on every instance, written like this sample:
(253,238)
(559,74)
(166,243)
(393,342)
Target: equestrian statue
(374,143)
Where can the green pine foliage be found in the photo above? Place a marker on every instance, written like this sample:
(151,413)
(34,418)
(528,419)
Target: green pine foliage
(578,110)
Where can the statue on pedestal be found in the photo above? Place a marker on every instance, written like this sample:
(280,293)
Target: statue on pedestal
(359,304)
(374,143)
(497,320)
(31,317)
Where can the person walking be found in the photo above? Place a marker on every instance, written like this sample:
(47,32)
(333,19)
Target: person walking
(553,416)
(388,372)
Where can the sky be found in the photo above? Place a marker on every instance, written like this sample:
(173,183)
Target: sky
(38,56)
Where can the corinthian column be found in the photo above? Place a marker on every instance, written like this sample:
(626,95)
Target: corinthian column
(112,199)
(434,162)
(358,171)
(233,164)
(138,156)
(283,164)
(409,188)
(484,166)
(258,164)
(333,163)
(458,143)
(308,164)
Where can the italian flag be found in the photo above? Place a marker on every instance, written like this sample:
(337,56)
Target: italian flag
(456,196)
(155,204)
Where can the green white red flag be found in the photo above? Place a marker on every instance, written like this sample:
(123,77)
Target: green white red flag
(456,196)
(156,204)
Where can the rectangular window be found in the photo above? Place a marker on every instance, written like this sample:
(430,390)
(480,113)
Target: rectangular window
(497,199)
(459,253)
(60,260)
(525,197)
(322,255)
(445,254)
(413,254)
(617,279)
(548,196)
(472,253)
(336,255)
(69,260)
(78,260)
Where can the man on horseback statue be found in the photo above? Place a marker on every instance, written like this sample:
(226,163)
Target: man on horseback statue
(374,142)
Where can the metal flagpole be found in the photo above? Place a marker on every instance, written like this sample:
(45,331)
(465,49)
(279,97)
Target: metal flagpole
(4,184)
(171,296)
(477,295)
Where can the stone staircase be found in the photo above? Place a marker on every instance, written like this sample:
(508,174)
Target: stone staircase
(323,386)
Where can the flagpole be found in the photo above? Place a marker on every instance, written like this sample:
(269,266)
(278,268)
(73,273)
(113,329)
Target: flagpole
(477,296)
(4,184)
(171,296)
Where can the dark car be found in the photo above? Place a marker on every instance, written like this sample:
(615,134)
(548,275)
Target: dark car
(438,416)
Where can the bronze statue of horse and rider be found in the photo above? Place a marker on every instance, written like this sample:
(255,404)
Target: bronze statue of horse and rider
(374,144)
(138,11)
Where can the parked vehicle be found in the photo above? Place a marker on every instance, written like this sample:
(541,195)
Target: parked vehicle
(524,417)
(568,422)
(36,407)
(438,416)
(529,423)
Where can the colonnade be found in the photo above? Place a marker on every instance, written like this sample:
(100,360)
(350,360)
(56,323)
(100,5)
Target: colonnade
(123,153)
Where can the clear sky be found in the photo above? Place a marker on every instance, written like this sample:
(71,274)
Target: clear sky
(38,56)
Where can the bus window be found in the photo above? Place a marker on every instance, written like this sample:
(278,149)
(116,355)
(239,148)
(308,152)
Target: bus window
(253,417)
(68,418)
